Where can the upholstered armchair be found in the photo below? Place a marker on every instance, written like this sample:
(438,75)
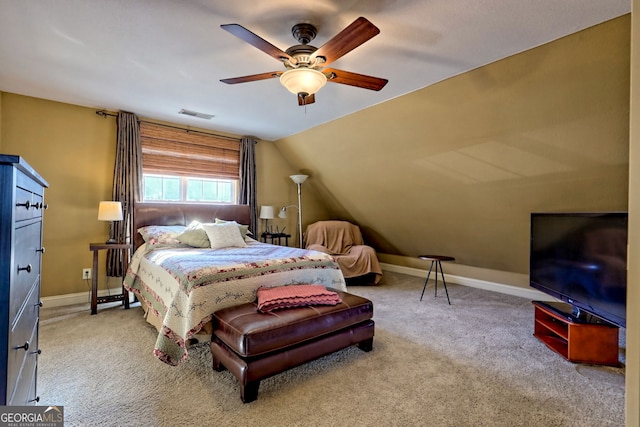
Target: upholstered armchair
(343,240)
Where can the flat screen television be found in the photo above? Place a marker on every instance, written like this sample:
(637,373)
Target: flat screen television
(581,259)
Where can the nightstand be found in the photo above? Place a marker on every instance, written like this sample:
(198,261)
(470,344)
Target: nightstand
(124,296)
(276,237)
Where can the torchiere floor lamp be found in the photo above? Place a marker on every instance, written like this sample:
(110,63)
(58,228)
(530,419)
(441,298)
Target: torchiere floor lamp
(299,179)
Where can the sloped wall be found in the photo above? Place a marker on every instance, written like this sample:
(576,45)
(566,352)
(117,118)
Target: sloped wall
(457,168)
(632,372)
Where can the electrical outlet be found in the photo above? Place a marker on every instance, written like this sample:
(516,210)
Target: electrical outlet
(86,273)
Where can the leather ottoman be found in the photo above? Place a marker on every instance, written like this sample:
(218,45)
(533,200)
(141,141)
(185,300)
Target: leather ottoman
(254,345)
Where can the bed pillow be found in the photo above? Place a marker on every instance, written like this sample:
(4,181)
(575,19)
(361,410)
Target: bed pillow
(225,235)
(194,235)
(244,229)
(161,234)
(278,297)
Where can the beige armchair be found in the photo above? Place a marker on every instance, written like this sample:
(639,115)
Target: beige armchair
(343,240)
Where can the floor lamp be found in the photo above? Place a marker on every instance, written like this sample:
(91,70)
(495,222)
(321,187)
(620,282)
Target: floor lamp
(299,179)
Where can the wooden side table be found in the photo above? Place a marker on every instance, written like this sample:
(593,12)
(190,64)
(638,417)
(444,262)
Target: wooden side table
(124,296)
(273,237)
(437,260)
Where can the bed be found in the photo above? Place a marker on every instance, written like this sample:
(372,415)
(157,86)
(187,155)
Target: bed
(180,286)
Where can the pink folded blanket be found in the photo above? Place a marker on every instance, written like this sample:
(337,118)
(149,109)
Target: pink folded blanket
(270,299)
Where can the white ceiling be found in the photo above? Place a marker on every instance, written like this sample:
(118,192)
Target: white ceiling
(156,57)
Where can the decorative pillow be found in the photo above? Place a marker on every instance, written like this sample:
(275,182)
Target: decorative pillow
(161,234)
(244,229)
(224,235)
(270,299)
(194,235)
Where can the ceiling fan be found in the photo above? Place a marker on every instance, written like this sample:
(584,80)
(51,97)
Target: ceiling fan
(305,65)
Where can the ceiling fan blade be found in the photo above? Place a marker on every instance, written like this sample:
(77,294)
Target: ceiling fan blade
(257,41)
(306,99)
(358,32)
(354,79)
(252,78)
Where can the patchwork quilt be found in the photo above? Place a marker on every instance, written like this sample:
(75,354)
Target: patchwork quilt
(183,286)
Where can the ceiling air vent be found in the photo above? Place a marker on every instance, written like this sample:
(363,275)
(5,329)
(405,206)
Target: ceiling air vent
(196,114)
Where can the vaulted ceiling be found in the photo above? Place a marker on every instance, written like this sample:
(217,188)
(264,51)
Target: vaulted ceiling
(157,57)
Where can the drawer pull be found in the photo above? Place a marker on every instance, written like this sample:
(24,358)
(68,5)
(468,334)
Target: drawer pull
(27,268)
(40,304)
(41,250)
(44,206)
(26,204)
(38,351)
(37,399)
(25,346)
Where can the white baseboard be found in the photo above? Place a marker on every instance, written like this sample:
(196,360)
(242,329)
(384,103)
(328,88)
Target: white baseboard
(77,298)
(531,294)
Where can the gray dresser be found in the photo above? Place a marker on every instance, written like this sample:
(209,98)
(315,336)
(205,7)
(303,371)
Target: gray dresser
(21,211)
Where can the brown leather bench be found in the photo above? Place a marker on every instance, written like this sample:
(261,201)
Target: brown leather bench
(254,345)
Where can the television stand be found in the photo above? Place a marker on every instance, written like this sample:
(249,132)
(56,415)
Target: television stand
(576,340)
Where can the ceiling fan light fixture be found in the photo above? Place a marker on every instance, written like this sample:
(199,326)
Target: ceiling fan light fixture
(303,80)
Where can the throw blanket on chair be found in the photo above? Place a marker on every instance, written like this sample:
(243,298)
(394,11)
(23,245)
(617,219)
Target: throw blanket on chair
(344,242)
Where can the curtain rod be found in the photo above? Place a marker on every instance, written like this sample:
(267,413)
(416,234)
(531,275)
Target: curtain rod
(104,113)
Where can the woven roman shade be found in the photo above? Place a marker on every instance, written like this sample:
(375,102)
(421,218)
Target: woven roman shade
(174,151)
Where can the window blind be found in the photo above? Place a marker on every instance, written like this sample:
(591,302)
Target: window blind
(174,151)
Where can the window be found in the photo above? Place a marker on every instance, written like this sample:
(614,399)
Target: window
(210,190)
(185,166)
(167,188)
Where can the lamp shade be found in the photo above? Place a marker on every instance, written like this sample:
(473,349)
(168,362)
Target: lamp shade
(266,212)
(110,211)
(299,179)
(303,80)
(283,213)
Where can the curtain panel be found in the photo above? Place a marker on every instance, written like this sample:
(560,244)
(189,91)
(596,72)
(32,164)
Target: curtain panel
(127,179)
(248,179)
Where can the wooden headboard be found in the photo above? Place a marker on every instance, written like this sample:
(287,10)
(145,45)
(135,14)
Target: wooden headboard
(183,214)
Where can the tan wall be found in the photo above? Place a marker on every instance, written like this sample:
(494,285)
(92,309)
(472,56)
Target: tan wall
(0,122)
(632,373)
(74,150)
(276,189)
(457,168)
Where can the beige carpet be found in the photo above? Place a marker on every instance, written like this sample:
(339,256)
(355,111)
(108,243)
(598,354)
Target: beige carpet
(474,363)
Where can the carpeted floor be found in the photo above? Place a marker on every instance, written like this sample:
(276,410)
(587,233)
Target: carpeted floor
(474,363)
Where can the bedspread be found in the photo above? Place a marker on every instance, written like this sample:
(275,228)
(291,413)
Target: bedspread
(184,286)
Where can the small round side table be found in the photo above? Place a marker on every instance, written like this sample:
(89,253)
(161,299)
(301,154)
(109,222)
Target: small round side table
(437,260)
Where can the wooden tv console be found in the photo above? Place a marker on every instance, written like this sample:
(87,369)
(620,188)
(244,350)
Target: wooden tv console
(576,340)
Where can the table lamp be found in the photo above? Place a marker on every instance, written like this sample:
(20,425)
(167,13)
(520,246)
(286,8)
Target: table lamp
(110,211)
(266,213)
